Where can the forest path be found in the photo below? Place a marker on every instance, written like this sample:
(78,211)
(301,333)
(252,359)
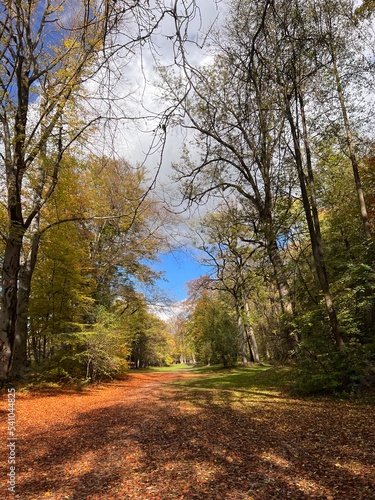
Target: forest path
(142,438)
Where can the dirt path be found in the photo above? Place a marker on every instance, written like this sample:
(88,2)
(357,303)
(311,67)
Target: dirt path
(144,439)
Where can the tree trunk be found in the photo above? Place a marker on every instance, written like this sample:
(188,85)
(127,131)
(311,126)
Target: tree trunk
(19,358)
(281,281)
(283,290)
(350,144)
(312,218)
(249,330)
(246,331)
(241,330)
(253,346)
(8,314)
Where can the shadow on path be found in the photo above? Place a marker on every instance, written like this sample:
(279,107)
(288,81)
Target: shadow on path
(159,441)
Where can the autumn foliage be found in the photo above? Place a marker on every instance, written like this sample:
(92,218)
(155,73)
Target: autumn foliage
(142,438)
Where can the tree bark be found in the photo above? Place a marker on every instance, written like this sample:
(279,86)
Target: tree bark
(249,330)
(247,336)
(243,344)
(19,358)
(10,272)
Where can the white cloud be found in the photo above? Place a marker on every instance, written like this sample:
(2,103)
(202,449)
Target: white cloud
(169,312)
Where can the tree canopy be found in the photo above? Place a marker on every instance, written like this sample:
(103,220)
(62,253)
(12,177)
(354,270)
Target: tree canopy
(277,125)
(278,150)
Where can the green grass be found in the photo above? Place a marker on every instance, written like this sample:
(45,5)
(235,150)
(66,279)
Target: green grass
(261,378)
(257,377)
(171,368)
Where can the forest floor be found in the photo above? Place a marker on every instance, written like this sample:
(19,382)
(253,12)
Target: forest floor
(147,438)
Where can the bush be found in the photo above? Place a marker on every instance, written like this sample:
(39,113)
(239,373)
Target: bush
(336,372)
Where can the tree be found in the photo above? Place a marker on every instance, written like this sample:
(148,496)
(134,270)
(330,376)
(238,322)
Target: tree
(61,299)
(288,54)
(89,267)
(213,328)
(103,349)
(229,104)
(259,111)
(339,32)
(366,9)
(47,55)
(123,222)
(184,346)
(50,52)
(151,344)
(302,52)
(231,258)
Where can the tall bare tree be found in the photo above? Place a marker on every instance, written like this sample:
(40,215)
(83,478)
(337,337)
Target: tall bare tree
(229,105)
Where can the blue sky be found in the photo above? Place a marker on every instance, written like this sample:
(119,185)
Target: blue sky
(179,267)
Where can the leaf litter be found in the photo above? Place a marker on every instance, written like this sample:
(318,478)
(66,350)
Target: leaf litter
(145,438)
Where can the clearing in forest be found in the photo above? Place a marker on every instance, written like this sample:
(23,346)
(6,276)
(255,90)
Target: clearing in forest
(186,435)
